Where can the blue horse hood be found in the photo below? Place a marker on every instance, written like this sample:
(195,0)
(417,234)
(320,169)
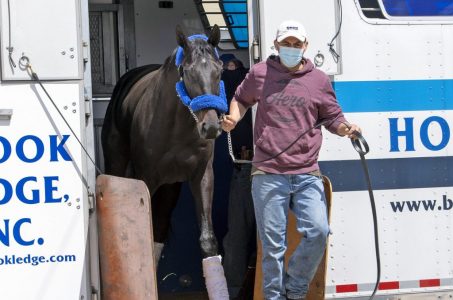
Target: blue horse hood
(203,101)
(218,103)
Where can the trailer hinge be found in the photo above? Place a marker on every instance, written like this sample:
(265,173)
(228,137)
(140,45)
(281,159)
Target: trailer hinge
(91,202)
(85,50)
(256,49)
(94,293)
(87,107)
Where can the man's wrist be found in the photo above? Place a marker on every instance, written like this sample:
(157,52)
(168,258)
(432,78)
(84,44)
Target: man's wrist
(235,117)
(343,128)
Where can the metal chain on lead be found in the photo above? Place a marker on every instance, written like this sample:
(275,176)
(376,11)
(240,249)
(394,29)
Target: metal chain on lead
(193,114)
(230,146)
(230,150)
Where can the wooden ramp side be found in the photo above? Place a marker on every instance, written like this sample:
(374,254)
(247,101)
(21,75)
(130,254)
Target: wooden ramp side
(317,286)
(125,239)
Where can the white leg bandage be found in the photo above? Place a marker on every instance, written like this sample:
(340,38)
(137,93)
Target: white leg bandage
(215,278)
(157,252)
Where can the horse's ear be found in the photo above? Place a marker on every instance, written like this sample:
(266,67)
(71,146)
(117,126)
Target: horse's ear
(214,36)
(181,37)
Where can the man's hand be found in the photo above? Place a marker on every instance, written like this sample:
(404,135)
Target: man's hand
(237,111)
(350,130)
(229,123)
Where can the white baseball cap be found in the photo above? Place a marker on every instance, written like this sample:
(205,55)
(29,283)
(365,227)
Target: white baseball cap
(291,28)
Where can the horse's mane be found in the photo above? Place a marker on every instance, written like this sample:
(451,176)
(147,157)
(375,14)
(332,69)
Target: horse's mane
(169,62)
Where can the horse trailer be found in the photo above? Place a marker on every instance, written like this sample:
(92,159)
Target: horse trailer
(391,66)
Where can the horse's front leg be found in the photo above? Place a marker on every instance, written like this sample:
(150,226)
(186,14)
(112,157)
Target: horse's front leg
(203,190)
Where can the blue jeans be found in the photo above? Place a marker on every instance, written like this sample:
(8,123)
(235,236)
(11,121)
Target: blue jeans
(273,195)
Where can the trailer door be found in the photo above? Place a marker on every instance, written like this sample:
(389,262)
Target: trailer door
(47,33)
(43,171)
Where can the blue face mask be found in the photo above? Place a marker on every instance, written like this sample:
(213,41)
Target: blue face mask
(290,57)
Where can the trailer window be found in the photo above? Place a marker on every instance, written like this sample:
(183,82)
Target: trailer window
(418,8)
(236,15)
(230,16)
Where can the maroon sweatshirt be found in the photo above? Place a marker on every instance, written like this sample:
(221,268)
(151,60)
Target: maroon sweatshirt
(289,103)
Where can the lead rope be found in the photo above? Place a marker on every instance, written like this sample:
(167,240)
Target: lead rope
(243,161)
(357,144)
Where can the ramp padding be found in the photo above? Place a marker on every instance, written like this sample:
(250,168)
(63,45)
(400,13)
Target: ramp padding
(125,239)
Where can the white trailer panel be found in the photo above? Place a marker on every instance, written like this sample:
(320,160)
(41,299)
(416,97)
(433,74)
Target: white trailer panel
(43,203)
(47,32)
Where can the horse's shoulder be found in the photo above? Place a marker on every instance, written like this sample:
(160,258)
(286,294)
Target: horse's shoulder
(141,94)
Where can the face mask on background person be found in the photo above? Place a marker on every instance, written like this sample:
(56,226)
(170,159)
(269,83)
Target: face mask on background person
(290,56)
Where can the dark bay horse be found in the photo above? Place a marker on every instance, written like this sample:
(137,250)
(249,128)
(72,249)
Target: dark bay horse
(150,134)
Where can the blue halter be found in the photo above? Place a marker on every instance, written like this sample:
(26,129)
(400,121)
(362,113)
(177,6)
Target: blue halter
(217,102)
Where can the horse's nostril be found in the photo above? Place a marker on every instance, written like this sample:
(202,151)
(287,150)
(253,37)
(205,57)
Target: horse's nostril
(210,130)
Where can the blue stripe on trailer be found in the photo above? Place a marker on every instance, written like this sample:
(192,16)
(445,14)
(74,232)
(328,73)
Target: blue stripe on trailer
(400,95)
(387,174)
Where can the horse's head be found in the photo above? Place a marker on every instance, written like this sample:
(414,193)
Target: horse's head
(200,71)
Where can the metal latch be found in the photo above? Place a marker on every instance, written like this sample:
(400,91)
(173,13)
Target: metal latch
(85,51)
(94,294)
(256,49)
(87,106)
(91,202)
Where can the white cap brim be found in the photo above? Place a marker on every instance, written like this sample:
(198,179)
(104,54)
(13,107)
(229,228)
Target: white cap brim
(300,37)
